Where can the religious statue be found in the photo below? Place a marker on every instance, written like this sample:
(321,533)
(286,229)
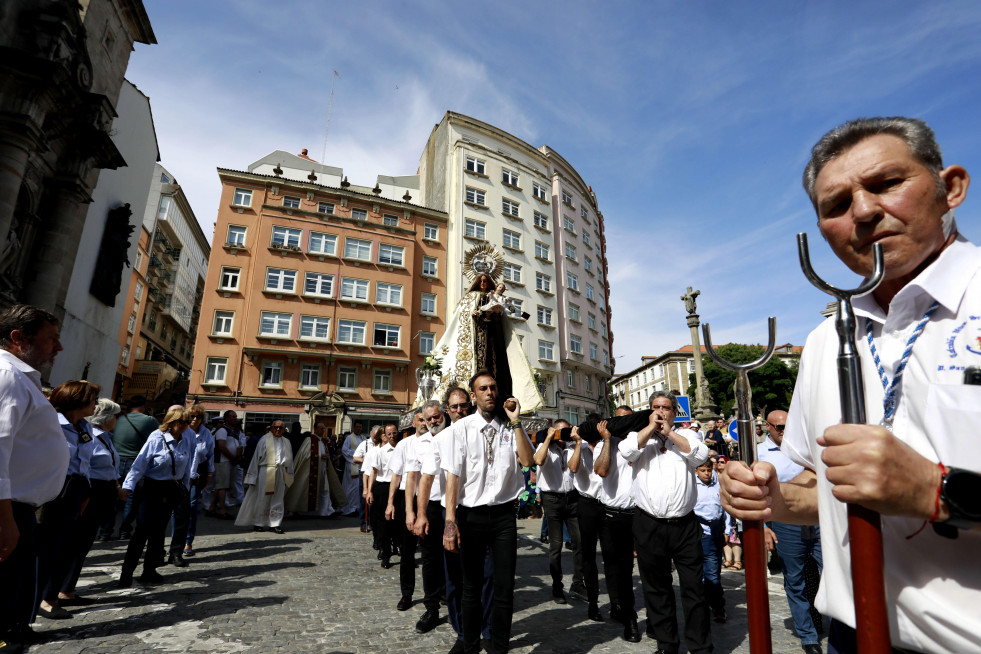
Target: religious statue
(689,299)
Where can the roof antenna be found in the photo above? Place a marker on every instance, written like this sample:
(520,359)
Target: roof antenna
(330,104)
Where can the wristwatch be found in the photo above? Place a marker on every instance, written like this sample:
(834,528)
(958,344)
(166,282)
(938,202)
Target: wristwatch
(961,490)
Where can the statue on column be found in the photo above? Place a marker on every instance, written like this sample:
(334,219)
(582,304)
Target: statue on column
(689,299)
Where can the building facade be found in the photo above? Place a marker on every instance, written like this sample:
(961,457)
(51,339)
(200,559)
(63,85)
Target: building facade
(322,298)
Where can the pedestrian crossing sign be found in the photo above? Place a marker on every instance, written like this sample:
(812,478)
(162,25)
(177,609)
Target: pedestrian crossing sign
(684,409)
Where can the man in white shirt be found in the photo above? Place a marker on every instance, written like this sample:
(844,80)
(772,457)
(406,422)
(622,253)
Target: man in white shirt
(665,527)
(882,180)
(560,502)
(484,476)
(401,511)
(379,482)
(358,460)
(586,484)
(33,459)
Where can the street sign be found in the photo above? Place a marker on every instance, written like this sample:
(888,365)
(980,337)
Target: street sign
(684,409)
(733,431)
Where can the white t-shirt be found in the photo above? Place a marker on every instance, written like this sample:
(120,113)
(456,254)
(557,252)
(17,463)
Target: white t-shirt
(933,584)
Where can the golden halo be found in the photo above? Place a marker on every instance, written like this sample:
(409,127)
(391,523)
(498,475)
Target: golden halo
(483,260)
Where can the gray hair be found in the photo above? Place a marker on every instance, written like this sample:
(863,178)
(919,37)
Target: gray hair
(670,396)
(430,404)
(915,133)
(105,412)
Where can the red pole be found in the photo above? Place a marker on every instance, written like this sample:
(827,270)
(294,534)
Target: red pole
(871,617)
(757,594)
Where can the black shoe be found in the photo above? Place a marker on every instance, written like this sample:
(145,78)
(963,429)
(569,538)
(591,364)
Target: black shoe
(177,560)
(649,630)
(544,539)
(404,603)
(386,563)
(124,535)
(396,551)
(105,538)
(278,530)
(380,555)
(631,633)
(9,646)
(559,597)
(568,545)
(125,581)
(617,614)
(579,593)
(23,635)
(594,613)
(457,648)
(151,577)
(720,616)
(813,648)
(427,622)
(55,613)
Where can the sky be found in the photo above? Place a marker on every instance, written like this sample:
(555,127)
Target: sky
(692,121)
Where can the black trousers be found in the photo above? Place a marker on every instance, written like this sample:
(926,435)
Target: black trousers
(591,515)
(484,528)
(58,519)
(18,573)
(659,542)
(379,525)
(407,544)
(559,508)
(153,504)
(617,544)
(431,553)
(102,502)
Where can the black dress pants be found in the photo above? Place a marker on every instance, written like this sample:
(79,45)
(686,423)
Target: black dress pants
(379,525)
(659,542)
(484,528)
(152,506)
(591,517)
(102,502)
(431,553)
(617,544)
(559,508)
(407,544)
(58,519)
(18,573)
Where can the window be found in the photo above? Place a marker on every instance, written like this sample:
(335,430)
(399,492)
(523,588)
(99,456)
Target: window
(163,332)
(541,250)
(391,255)
(543,282)
(512,273)
(386,293)
(138,292)
(508,177)
(570,251)
(310,375)
(131,326)
(585,237)
(545,350)
(691,365)
(588,263)
(138,262)
(291,202)
(354,289)
(584,213)
(427,340)
(475,165)
(321,243)
(359,214)
(593,352)
(566,198)
(223,322)
(591,321)
(124,356)
(430,231)
(272,373)
(275,324)
(539,191)
(541,220)
(350,331)
(568,224)
(389,220)
(284,237)
(570,378)
(589,292)
(574,312)
(544,315)
(475,229)
(214,373)
(278,279)
(318,284)
(325,207)
(475,196)
(429,303)
(572,281)
(515,309)
(606,358)
(347,379)
(429,266)
(575,344)
(229,279)
(512,239)
(315,328)
(153,320)
(571,415)
(242,198)
(509,207)
(382,381)
(386,335)
(236,235)
(603,329)
(355,248)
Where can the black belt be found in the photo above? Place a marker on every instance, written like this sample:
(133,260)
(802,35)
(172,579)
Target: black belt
(562,493)
(588,498)
(616,511)
(667,521)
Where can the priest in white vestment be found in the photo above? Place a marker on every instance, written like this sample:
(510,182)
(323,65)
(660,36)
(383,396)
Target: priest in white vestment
(270,473)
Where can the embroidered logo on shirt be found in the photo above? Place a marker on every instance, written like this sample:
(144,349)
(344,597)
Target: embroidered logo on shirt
(964,340)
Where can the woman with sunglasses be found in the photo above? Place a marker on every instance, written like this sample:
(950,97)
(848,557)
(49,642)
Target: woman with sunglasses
(160,476)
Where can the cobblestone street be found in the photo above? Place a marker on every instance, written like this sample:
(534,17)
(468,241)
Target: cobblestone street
(319,588)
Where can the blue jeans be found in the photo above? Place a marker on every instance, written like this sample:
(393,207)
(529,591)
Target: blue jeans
(712,572)
(126,526)
(192,523)
(793,551)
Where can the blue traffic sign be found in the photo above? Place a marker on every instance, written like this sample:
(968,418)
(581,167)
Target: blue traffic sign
(684,409)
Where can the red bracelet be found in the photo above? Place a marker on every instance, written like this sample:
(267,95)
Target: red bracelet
(936,503)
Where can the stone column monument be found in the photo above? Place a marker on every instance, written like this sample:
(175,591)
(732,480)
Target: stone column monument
(705,407)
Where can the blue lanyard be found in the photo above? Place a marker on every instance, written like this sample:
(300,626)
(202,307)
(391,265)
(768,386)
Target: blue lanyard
(891,388)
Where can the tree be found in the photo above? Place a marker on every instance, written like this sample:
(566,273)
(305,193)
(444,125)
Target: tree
(772,384)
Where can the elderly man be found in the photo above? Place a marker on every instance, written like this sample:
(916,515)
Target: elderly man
(882,180)
(270,473)
(665,527)
(33,460)
(401,511)
(352,472)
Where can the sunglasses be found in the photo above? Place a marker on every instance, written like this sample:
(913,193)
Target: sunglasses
(777,427)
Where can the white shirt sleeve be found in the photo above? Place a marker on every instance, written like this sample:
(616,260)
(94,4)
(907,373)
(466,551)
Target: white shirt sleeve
(629,448)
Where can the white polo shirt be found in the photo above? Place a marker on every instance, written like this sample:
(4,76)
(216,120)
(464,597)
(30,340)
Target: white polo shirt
(396,463)
(484,482)
(554,475)
(380,462)
(615,489)
(584,480)
(664,482)
(933,584)
(423,461)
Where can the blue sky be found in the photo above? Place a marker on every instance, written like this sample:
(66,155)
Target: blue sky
(692,121)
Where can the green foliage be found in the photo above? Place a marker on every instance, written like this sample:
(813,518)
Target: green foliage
(772,384)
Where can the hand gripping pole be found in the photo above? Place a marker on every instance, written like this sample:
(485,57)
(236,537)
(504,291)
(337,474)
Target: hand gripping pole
(864,525)
(754,552)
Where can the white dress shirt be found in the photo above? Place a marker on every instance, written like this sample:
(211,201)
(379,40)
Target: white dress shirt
(420,460)
(380,461)
(584,480)
(396,463)
(664,482)
(616,487)
(33,451)
(554,475)
(362,453)
(433,463)
(485,482)
(933,584)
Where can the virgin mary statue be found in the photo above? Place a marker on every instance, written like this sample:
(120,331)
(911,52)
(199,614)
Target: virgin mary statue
(479,335)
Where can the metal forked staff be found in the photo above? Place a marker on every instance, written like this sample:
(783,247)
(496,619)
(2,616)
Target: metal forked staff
(757,599)
(864,525)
